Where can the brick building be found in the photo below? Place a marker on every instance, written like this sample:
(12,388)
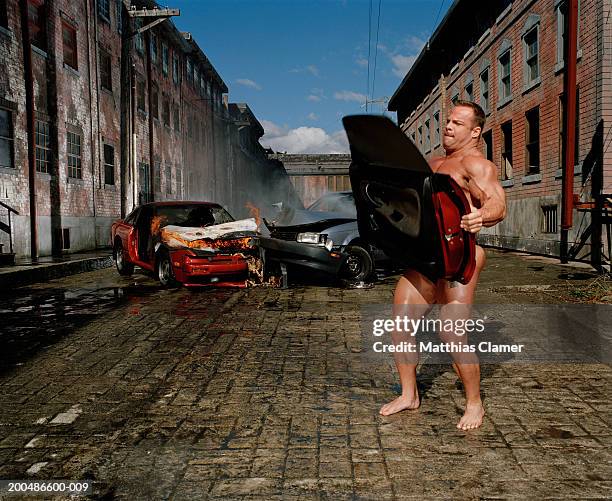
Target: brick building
(510,57)
(313,175)
(118,117)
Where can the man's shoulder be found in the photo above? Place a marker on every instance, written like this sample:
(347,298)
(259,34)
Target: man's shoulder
(477,161)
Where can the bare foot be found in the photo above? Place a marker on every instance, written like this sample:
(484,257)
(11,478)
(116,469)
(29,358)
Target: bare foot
(472,418)
(399,404)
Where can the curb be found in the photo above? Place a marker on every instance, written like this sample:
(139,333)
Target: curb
(46,272)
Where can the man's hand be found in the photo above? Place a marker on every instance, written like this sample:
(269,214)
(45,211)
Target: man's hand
(472,222)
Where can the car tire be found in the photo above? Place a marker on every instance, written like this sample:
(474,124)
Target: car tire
(124,267)
(358,265)
(165,275)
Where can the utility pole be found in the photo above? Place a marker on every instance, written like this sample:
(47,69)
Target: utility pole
(129,169)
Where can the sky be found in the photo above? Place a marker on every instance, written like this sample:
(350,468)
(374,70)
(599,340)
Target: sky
(301,65)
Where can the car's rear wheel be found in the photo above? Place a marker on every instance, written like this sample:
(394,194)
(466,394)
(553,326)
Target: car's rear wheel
(124,267)
(358,265)
(165,274)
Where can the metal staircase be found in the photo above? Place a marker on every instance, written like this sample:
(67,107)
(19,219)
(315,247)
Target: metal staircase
(7,258)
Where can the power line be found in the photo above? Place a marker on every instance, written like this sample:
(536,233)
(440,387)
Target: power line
(437,17)
(376,50)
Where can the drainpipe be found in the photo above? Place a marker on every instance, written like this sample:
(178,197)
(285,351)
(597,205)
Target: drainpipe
(570,128)
(152,186)
(95,145)
(31,126)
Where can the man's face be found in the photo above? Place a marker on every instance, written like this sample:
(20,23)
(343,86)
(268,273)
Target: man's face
(460,129)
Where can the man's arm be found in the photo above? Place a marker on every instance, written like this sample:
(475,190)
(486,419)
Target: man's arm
(485,188)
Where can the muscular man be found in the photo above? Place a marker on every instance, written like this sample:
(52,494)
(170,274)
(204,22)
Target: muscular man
(478,177)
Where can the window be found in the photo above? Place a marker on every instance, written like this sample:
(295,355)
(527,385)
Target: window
(175,69)
(3,14)
(532,65)
(168,179)
(37,22)
(157,176)
(106,71)
(436,128)
(6,139)
(119,12)
(73,152)
(469,91)
(505,84)
(153,48)
(104,9)
(562,21)
(532,140)
(487,139)
(196,77)
(562,111)
(109,164)
(420,130)
(549,213)
(506,152)
(484,90)
(138,39)
(166,111)
(177,120)
(165,59)
(43,146)
(455,98)
(179,183)
(69,39)
(189,71)
(155,102)
(427,136)
(140,95)
(208,85)
(413,136)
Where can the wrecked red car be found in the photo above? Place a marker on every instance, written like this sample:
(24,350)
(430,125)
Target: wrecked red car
(189,243)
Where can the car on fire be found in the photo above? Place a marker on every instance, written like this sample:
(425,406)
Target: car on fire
(189,243)
(323,237)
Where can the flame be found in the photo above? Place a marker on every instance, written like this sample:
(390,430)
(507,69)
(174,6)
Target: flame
(156,223)
(255,212)
(232,244)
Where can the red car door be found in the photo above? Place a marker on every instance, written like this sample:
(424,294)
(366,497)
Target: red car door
(404,208)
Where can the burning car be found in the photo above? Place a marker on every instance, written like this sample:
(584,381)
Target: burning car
(324,237)
(193,243)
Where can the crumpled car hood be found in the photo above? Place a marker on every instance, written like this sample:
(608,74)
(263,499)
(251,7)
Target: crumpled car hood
(301,217)
(209,238)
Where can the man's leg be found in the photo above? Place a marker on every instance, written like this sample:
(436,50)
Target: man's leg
(413,296)
(459,300)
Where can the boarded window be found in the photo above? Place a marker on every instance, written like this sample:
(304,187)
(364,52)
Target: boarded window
(6,139)
(69,40)
(166,111)
(140,95)
(109,164)
(37,23)
(106,70)
(155,102)
(43,146)
(73,153)
(175,69)
(469,91)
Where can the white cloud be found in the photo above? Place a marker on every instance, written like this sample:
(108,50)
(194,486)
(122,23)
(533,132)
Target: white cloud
(402,64)
(312,116)
(303,139)
(361,61)
(311,68)
(313,98)
(248,83)
(347,95)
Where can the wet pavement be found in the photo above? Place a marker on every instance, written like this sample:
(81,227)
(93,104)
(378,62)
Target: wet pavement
(263,393)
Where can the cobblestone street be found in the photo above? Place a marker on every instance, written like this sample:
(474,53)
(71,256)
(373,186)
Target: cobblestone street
(157,394)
